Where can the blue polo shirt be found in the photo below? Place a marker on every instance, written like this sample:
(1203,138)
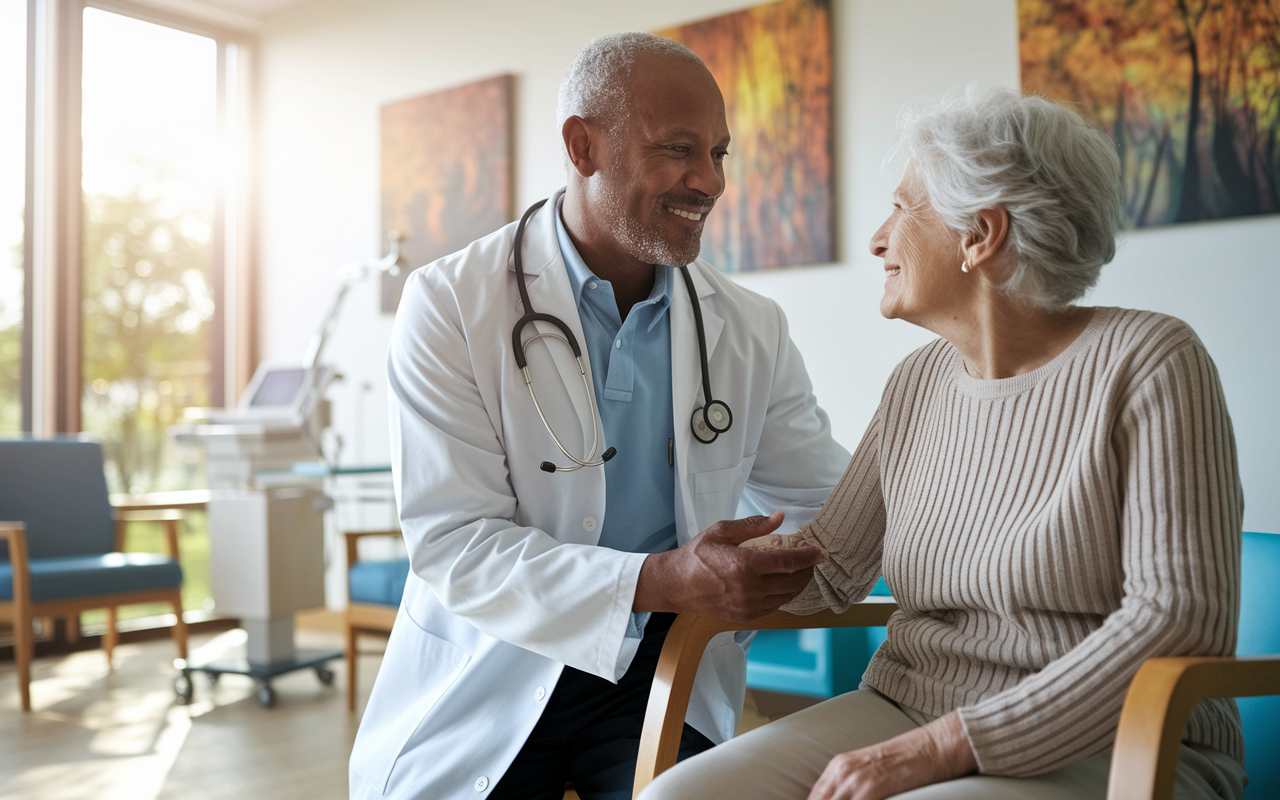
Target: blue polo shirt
(631,370)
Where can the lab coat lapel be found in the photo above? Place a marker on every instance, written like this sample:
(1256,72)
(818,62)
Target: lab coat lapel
(686,374)
(550,292)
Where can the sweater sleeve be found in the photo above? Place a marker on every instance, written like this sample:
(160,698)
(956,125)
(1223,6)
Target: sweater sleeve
(850,527)
(1180,548)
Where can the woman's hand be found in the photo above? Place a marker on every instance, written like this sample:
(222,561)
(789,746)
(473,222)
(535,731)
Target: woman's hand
(929,754)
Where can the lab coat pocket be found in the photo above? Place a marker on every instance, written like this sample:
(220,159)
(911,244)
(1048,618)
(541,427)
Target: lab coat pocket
(416,671)
(716,492)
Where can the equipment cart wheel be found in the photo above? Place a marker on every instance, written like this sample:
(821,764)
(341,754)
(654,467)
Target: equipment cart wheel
(325,675)
(266,695)
(184,688)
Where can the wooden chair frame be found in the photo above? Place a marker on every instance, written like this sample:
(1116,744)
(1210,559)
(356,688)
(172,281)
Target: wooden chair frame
(363,618)
(678,665)
(1145,756)
(21,610)
(1155,711)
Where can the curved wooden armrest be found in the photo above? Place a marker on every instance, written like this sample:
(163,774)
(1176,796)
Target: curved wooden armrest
(1155,711)
(678,664)
(15,533)
(352,537)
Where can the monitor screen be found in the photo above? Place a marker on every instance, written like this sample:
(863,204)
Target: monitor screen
(279,387)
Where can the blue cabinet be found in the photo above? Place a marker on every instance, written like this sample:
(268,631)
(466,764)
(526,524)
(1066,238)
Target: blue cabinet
(818,662)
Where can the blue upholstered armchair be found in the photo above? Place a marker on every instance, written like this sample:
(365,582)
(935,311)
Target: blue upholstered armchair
(60,549)
(374,590)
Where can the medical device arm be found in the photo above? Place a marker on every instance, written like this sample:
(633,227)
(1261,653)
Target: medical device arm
(353,274)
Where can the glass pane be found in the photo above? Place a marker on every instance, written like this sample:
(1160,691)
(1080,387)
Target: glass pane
(13,161)
(151,152)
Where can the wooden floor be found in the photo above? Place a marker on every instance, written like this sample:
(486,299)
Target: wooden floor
(101,735)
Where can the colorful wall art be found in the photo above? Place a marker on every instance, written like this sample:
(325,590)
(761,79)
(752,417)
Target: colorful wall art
(773,64)
(1188,89)
(446,172)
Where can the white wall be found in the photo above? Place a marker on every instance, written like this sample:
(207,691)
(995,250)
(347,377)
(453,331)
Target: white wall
(325,72)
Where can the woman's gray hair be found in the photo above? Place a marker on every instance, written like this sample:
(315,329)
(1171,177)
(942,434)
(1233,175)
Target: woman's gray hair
(596,82)
(1055,175)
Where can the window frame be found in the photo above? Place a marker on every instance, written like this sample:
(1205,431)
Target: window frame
(52,242)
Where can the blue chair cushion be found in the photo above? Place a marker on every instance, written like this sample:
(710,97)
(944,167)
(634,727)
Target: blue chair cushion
(83,576)
(1260,635)
(380,582)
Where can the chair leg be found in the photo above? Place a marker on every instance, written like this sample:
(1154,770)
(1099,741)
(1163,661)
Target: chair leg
(111,637)
(180,626)
(72,628)
(23,652)
(352,655)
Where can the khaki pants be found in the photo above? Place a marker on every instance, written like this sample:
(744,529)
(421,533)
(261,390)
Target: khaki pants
(782,761)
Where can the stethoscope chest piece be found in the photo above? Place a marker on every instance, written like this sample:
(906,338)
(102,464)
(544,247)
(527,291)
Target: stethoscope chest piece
(711,420)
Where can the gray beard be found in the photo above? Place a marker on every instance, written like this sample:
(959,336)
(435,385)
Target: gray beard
(651,243)
(648,243)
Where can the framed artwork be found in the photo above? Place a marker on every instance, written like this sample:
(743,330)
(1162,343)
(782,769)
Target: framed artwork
(446,172)
(1188,89)
(774,66)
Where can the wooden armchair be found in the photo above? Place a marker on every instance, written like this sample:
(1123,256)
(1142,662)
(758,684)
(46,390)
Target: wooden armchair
(374,589)
(1156,708)
(678,664)
(62,555)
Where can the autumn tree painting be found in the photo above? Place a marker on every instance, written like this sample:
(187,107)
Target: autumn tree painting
(1188,89)
(773,64)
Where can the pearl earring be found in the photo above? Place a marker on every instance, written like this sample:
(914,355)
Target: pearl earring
(964,267)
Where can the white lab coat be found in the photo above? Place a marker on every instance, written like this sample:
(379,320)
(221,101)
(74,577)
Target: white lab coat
(507,582)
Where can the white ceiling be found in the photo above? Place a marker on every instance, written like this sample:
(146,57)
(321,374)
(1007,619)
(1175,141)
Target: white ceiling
(242,15)
(258,9)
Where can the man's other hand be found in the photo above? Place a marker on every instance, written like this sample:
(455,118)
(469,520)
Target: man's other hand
(713,577)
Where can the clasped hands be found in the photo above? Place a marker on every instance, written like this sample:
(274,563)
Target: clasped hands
(713,576)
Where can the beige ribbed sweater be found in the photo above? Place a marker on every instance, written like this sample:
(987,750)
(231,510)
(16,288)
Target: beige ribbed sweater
(1043,535)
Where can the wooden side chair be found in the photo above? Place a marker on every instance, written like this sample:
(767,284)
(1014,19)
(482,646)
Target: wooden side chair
(1160,697)
(61,553)
(374,590)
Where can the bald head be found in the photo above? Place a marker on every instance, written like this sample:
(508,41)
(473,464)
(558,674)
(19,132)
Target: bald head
(596,85)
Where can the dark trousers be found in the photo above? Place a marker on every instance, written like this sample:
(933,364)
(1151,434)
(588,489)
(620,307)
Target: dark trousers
(589,734)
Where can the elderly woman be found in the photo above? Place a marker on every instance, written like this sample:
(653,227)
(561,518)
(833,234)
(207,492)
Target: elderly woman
(1049,490)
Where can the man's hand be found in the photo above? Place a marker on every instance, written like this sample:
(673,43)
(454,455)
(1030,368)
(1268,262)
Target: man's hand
(711,576)
(929,754)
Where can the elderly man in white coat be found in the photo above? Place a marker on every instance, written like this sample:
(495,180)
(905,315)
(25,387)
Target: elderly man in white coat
(541,589)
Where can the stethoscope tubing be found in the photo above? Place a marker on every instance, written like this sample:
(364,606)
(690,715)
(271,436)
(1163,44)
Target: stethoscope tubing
(518,344)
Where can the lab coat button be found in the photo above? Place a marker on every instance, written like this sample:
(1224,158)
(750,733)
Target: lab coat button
(539,693)
(482,783)
(589,524)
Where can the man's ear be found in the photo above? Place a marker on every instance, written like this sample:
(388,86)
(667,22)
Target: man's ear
(582,144)
(984,242)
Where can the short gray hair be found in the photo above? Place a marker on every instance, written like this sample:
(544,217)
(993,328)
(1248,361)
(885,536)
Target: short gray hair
(596,81)
(1056,176)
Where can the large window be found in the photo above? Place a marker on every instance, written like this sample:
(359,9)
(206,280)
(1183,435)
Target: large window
(149,162)
(13,183)
(120,256)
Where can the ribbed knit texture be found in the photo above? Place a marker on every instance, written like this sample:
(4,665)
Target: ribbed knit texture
(1043,535)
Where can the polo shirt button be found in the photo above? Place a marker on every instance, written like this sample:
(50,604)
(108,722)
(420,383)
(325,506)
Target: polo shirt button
(589,524)
(482,783)
(618,344)
(539,693)
(591,285)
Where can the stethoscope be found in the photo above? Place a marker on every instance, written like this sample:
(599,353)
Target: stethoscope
(709,421)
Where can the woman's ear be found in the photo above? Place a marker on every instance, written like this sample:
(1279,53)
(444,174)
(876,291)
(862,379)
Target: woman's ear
(581,143)
(987,237)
